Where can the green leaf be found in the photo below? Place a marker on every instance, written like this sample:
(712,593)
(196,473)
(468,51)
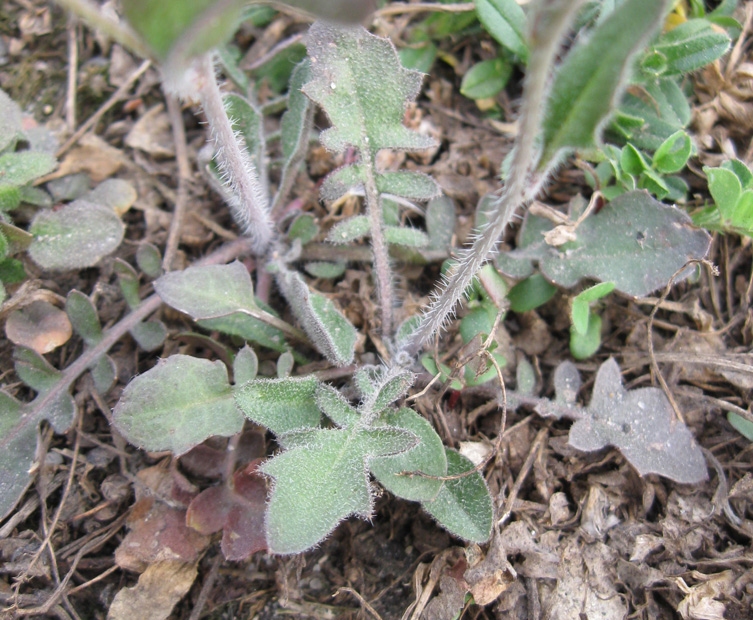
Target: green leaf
(427,457)
(478,321)
(349,230)
(407,184)
(103,373)
(19,444)
(440,222)
(642,425)
(486,78)
(634,241)
(741,170)
(583,344)
(149,259)
(506,22)
(83,317)
(335,407)
(463,506)
(725,189)
(183,28)
(245,366)
(320,479)
(248,328)
(389,385)
(531,293)
(177,405)
(655,110)
(209,291)
(632,160)
(10,197)
(116,194)
(304,227)
(359,82)
(247,121)
(281,405)
(74,237)
(23,167)
(324,269)
(405,236)
(10,121)
(149,335)
(34,370)
(690,46)
(592,74)
(332,334)
(740,424)
(595,292)
(673,153)
(742,216)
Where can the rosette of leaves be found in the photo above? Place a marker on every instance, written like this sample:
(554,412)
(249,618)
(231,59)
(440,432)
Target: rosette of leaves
(366,111)
(321,475)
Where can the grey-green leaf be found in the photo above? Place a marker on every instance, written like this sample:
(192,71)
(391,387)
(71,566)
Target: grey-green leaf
(75,237)
(463,506)
(10,121)
(245,366)
(83,317)
(642,425)
(349,230)
(281,405)
(25,166)
(592,74)
(405,236)
(335,407)
(635,241)
(19,444)
(363,88)
(177,405)
(690,46)
(209,291)
(427,457)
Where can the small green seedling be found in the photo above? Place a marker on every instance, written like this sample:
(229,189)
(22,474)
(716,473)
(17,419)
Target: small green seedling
(731,187)
(585,332)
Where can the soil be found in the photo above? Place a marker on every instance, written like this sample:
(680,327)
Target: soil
(101,532)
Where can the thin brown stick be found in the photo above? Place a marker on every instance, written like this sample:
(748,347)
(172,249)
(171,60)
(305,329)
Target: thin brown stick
(206,587)
(650,333)
(174,111)
(70,97)
(114,98)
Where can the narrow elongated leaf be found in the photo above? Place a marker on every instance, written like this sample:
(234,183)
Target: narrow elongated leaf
(506,22)
(19,442)
(690,46)
(463,506)
(282,405)
(209,291)
(335,407)
(177,405)
(393,384)
(592,74)
(75,237)
(427,457)
(332,334)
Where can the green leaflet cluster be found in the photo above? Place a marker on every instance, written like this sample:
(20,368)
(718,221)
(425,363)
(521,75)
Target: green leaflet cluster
(321,476)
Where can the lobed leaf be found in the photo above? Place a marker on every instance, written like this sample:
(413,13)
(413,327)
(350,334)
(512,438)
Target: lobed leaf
(592,74)
(634,241)
(463,506)
(177,405)
(74,237)
(642,425)
(349,67)
(320,479)
(427,457)
(281,405)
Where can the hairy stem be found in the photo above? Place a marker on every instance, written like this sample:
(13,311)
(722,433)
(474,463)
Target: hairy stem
(382,269)
(250,204)
(550,24)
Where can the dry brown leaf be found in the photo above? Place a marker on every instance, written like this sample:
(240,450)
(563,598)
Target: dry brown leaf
(700,601)
(93,156)
(159,589)
(151,133)
(39,326)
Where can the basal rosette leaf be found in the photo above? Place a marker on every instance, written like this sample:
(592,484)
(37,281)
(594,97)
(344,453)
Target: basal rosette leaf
(320,479)
(359,82)
(177,405)
(19,444)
